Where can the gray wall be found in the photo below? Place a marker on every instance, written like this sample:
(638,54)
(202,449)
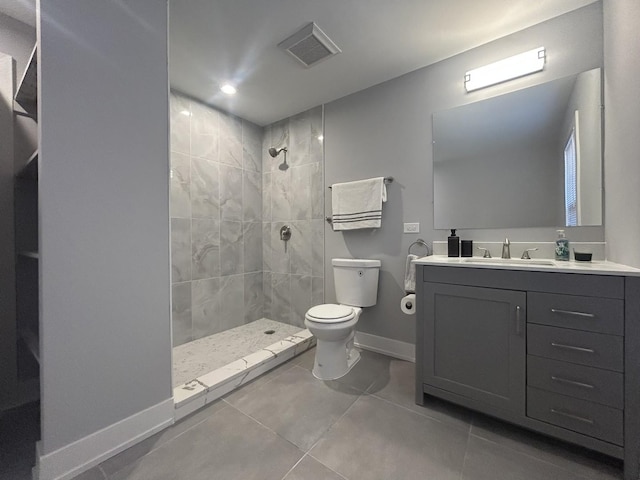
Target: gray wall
(104,214)
(216,220)
(622,124)
(293,273)
(386,130)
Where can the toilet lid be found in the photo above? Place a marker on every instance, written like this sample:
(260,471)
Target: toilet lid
(330,313)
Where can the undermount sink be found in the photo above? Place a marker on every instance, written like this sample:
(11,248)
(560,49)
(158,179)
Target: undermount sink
(509,261)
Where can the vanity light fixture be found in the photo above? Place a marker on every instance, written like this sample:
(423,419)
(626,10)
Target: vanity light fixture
(228,89)
(507,69)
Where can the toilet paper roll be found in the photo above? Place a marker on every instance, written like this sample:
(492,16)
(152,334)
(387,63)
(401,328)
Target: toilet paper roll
(408,304)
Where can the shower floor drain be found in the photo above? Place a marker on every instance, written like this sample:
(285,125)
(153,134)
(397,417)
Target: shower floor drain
(269,332)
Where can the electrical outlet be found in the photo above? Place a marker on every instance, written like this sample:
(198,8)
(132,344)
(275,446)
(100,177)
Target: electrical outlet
(411,228)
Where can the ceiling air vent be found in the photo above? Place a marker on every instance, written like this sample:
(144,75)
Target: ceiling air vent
(309,45)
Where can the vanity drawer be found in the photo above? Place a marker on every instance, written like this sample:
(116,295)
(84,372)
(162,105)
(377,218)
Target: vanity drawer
(593,384)
(574,414)
(584,348)
(602,315)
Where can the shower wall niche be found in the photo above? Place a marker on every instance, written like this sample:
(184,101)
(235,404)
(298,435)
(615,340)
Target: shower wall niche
(228,198)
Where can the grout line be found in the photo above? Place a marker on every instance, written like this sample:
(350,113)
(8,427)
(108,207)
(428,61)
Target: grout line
(294,466)
(466,452)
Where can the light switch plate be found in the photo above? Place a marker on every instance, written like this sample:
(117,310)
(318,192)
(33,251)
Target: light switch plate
(411,228)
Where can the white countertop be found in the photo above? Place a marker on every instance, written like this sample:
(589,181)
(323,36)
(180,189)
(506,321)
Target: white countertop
(596,267)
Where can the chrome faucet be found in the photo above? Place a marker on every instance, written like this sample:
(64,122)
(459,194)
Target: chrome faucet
(525,254)
(506,249)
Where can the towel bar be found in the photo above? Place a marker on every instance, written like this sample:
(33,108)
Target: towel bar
(387,181)
(422,243)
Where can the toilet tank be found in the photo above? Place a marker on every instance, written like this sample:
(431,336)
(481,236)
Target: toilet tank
(356,281)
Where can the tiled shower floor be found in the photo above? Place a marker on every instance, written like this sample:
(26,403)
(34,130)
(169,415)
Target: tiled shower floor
(194,359)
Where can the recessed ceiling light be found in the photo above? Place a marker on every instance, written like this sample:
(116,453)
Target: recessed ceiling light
(228,89)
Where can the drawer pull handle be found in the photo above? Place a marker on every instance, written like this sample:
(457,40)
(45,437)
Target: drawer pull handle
(572,416)
(518,325)
(569,312)
(571,382)
(571,347)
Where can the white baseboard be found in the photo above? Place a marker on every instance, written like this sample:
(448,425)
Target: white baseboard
(87,452)
(386,346)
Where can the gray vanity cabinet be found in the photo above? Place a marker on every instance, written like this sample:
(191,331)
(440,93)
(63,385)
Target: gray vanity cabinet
(555,352)
(476,340)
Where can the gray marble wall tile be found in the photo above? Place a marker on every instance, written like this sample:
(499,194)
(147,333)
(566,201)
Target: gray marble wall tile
(281,297)
(230,193)
(318,191)
(317,248)
(267,291)
(317,290)
(251,196)
(300,247)
(301,192)
(180,123)
(299,138)
(205,248)
(205,307)
(266,197)
(251,146)
(253,297)
(281,195)
(252,243)
(266,246)
(205,188)
(301,298)
(180,249)
(316,149)
(230,150)
(180,179)
(267,160)
(181,313)
(204,131)
(231,248)
(231,301)
(279,252)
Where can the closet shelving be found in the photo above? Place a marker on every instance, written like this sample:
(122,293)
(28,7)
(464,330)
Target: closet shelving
(26,223)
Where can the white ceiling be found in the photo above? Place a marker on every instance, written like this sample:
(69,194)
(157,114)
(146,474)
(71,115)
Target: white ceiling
(236,40)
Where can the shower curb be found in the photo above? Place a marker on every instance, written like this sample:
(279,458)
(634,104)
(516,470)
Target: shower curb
(196,393)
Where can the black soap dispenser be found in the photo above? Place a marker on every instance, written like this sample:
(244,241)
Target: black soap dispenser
(453,247)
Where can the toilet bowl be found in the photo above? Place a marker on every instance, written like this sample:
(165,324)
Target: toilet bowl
(334,325)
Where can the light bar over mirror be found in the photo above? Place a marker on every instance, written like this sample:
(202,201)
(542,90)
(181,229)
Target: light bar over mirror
(507,69)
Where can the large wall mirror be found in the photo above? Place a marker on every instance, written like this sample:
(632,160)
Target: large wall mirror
(529,158)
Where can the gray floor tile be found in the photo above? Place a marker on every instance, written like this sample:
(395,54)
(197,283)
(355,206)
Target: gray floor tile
(311,469)
(399,387)
(93,474)
(580,461)
(305,360)
(258,382)
(139,450)
(486,460)
(297,406)
(226,446)
(376,439)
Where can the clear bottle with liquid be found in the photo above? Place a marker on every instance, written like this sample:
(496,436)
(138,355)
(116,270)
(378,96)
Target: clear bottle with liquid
(562,247)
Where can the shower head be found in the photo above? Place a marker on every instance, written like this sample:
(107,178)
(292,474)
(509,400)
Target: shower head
(275,152)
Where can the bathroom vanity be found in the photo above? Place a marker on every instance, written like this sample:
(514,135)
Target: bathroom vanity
(552,347)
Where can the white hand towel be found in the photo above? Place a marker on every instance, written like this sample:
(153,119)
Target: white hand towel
(358,204)
(410,274)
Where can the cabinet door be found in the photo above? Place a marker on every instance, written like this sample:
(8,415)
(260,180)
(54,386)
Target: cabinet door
(474,343)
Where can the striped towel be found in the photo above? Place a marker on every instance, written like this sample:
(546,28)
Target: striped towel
(358,204)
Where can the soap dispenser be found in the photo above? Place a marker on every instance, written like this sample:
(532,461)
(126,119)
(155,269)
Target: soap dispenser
(453,245)
(562,247)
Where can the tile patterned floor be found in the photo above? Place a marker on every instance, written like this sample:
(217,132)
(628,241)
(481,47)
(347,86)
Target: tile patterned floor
(286,425)
(204,355)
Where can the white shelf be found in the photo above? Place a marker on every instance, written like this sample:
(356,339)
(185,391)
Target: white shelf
(27,93)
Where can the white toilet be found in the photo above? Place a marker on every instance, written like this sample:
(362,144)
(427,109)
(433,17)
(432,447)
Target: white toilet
(334,326)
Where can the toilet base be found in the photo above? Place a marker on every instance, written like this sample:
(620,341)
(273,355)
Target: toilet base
(333,360)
